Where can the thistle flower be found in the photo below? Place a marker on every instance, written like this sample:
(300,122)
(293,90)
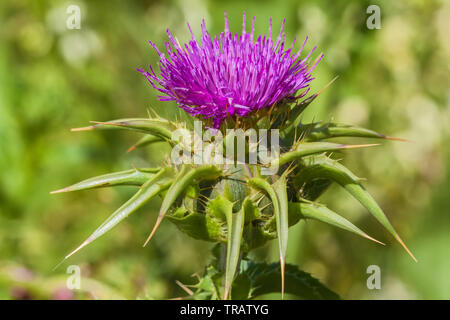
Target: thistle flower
(230,76)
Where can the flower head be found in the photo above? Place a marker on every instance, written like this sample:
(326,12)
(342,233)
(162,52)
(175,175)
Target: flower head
(230,76)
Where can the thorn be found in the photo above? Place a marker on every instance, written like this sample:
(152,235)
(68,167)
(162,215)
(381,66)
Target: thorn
(226,292)
(282,265)
(66,189)
(158,222)
(354,146)
(290,168)
(204,197)
(372,239)
(397,237)
(396,139)
(131,148)
(326,86)
(85,243)
(88,128)
(60,263)
(314,63)
(109,123)
(257,202)
(264,207)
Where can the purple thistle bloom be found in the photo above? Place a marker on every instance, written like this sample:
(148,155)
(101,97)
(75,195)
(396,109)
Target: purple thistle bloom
(230,76)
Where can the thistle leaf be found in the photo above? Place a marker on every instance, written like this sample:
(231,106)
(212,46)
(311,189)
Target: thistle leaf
(235,189)
(263,185)
(255,232)
(251,210)
(198,225)
(324,167)
(182,181)
(133,177)
(322,213)
(309,148)
(235,223)
(145,141)
(151,188)
(280,188)
(220,208)
(158,127)
(312,189)
(102,125)
(318,131)
(264,279)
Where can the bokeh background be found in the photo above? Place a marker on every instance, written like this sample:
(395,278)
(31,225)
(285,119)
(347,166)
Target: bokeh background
(394,80)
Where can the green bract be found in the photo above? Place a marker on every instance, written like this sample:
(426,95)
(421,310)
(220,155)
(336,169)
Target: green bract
(240,209)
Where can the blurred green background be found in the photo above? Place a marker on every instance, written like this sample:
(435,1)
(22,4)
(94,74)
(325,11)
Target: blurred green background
(394,80)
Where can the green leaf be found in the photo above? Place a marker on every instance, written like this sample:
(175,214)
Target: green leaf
(312,190)
(319,131)
(145,141)
(182,181)
(258,228)
(263,185)
(251,210)
(220,208)
(234,188)
(209,284)
(198,225)
(280,188)
(282,224)
(241,287)
(157,127)
(151,188)
(134,177)
(264,279)
(324,167)
(309,148)
(322,213)
(235,223)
